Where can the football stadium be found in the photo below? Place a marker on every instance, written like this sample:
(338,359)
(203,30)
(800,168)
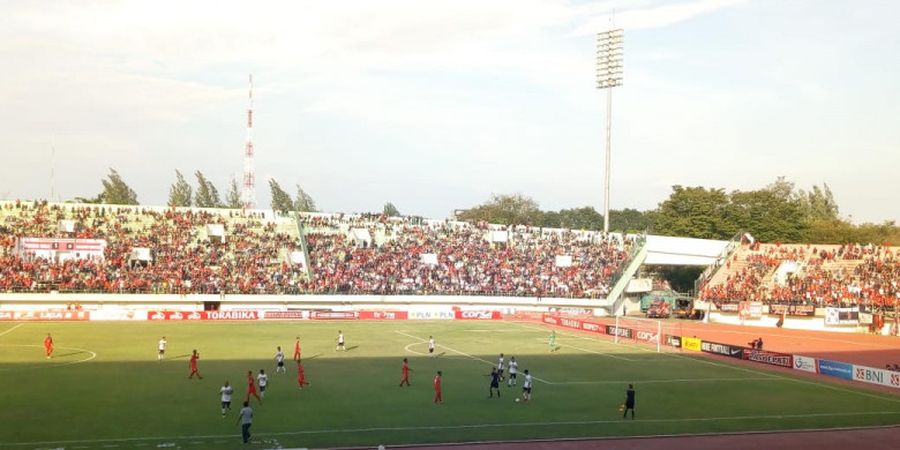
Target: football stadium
(736,317)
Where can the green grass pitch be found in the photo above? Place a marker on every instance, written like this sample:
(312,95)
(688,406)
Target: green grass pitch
(105,388)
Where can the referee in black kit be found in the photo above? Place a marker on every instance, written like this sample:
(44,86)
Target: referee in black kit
(629,402)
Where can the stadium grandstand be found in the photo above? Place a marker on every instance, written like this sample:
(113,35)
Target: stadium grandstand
(76,248)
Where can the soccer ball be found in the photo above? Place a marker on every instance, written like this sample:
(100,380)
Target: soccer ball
(517,399)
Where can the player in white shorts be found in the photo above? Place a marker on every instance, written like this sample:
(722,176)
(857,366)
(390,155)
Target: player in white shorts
(340,341)
(526,387)
(431,346)
(226,392)
(163,343)
(500,366)
(279,361)
(513,371)
(262,380)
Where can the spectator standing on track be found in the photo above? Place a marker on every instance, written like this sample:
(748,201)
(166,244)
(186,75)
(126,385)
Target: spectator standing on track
(629,402)
(245,418)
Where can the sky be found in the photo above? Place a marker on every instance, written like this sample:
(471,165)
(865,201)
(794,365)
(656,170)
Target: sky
(435,105)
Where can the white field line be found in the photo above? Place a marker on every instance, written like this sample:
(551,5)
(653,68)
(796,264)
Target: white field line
(618,421)
(702,360)
(11,329)
(608,355)
(93,355)
(461,353)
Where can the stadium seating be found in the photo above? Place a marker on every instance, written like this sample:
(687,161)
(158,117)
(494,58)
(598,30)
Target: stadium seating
(354,254)
(821,275)
(394,256)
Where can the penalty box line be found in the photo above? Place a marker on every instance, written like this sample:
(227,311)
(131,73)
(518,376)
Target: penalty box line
(463,354)
(774,376)
(465,426)
(11,329)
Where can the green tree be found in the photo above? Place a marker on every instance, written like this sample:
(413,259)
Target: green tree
(304,202)
(390,210)
(819,203)
(695,212)
(630,220)
(207,194)
(281,200)
(116,191)
(233,199)
(181,193)
(769,215)
(514,209)
(585,218)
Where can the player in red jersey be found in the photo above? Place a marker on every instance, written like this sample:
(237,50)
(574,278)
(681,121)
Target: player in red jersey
(251,387)
(404,373)
(48,345)
(301,375)
(297,349)
(437,388)
(194,357)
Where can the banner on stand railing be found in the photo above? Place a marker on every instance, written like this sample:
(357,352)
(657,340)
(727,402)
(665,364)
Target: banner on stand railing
(722,349)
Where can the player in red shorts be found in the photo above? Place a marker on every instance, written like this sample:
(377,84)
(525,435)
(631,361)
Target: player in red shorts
(48,345)
(251,387)
(437,388)
(301,375)
(404,373)
(297,349)
(194,357)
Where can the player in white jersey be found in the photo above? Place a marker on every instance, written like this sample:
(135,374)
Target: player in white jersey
(526,386)
(279,361)
(262,380)
(513,371)
(340,341)
(431,346)
(500,366)
(226,392)
(163,343)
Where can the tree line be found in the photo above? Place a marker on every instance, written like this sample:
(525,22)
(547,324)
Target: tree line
(181,194)
(778,212)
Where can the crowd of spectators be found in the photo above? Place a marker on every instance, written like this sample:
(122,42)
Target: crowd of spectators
(249,258)
(253,254)
(845,275)
(466,260)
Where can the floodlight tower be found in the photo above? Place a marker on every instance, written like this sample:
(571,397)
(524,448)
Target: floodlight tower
(610,56)
(248,194)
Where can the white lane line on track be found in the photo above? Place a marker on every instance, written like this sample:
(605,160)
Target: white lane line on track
(11,329)
(617,420)
(459,353)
